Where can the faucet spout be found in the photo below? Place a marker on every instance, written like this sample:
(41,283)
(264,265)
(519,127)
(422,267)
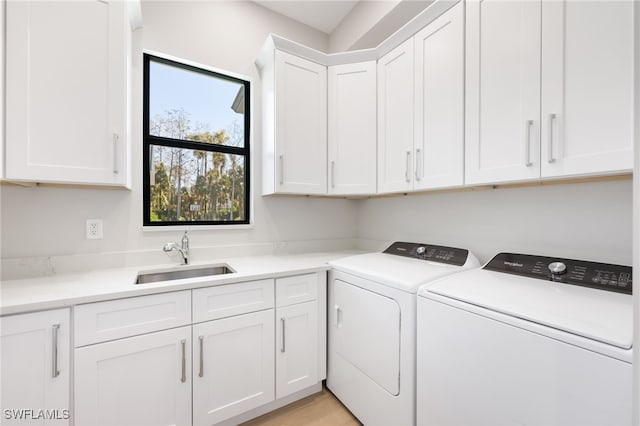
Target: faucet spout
(184,250)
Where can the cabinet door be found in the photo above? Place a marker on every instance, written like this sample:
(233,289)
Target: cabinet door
(395,119)
(66,92)
(143,380)
(301,125)
(439,102)
(352,128)
(297,348)
(233,366)
(502,91)
(35,367)
(587,87)
(2,91)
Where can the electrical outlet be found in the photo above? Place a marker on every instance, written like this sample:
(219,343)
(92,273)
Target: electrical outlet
(94,229)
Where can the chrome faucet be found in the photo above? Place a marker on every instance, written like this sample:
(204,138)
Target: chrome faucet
(184,250)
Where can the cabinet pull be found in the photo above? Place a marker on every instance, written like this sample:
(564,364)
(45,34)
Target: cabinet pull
(183,342)
(418,164)
(528,162)
(201,373)
(333,174)
(406,171)
(54,352)
(337,308)
(552,118)
(115,153)
(281,169)
(282,348)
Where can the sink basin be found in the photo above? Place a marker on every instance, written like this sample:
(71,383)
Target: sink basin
(179,274)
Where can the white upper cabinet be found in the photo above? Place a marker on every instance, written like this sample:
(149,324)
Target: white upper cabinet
(352,129)
(549,89)
(66,92)
(421,108)
(395,119)
(502,91)
(439,102)
(294,92)
(587,87)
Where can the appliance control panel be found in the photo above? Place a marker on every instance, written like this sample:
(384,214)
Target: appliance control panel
(602,276)
(448,255)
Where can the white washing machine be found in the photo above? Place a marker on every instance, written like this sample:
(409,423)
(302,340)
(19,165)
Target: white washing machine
(526,340)
(371,351)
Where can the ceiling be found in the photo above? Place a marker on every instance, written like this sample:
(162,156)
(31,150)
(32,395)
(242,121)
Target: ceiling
(323,15)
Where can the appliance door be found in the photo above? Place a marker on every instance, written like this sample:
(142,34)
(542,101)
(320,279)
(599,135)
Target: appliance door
(482,368)
(366,333)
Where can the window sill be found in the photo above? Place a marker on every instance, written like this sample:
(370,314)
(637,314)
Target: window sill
(195,228)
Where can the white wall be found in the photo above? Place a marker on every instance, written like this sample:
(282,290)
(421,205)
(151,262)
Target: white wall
(589,221)
(363,16)
(370,22)
(43,221)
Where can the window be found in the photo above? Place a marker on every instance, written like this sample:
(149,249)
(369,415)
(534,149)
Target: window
(196,145)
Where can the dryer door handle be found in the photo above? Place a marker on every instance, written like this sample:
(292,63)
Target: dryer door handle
(337,322)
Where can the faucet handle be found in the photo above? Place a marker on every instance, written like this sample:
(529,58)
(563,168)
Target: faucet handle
(185,242)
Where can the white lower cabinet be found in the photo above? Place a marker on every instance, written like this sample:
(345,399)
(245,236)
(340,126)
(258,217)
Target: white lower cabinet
(233,366)
(142,380)
(35,368)
(240,356)
(297,347)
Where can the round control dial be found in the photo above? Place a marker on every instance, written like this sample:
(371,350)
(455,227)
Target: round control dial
(421,250)
(557,268)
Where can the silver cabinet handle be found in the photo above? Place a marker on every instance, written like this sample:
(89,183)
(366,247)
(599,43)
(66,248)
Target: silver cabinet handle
(333,174)
(406,172)
(281,169)
(115,153)
(528,162)
(552,118)
(418,163)
(282,348)
(183,342)
(201,373)
(54,352)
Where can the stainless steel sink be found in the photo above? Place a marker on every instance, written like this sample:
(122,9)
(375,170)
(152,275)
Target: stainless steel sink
(179,274)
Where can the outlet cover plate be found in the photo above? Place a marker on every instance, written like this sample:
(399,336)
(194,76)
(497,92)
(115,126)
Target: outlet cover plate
(94,229)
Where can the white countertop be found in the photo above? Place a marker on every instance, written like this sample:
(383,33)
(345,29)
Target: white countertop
(58,291)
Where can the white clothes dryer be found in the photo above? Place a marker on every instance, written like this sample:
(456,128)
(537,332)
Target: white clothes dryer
(371,348)
(526,340)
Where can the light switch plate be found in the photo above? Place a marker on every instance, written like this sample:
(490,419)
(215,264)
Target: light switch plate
(94,229)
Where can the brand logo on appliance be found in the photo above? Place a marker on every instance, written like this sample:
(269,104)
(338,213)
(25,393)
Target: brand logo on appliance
(514,264)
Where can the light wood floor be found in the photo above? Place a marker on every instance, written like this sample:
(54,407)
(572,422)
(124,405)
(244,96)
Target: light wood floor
(321,409)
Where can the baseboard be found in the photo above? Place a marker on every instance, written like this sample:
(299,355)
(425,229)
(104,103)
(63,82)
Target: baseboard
(273,405)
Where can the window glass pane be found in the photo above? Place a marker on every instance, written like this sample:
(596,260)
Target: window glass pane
(189,185)
(195,106)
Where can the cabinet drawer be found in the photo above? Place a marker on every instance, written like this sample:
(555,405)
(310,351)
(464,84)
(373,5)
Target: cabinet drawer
(115,319)
(296,289)
(232,299)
